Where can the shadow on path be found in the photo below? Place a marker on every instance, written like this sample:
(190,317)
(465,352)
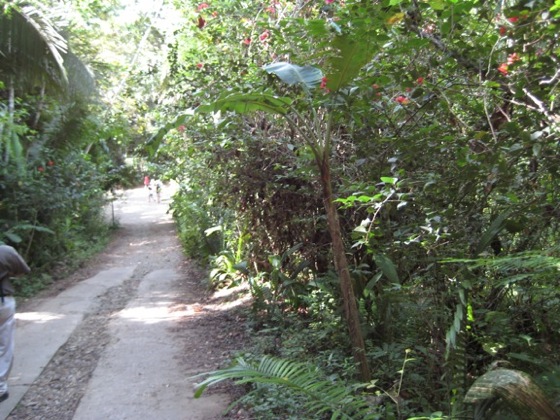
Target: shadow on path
(123,342)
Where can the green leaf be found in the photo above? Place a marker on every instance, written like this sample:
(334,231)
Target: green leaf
(353,54)
(248,102)
(494,229)
(387,267)
(389,180)
(292,74)
(154,142)
(437,4)
(16,239)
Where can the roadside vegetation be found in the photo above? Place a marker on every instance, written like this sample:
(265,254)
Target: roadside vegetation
(381,175)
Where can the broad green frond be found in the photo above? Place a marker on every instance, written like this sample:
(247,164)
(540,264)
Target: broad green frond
(31,46)
(244,103)
(351,55)
(516,267)
(322,395)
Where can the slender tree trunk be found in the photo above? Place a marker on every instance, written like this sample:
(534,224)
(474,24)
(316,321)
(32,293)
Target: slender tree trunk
(341,266)
(11,112)
(40,106)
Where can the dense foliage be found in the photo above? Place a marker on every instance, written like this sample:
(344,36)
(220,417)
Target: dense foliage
(383,175)
(443,153)
(61,150)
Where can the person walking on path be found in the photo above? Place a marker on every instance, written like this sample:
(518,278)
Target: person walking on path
(159,186)
(11,265)
(151,187)
(146,181)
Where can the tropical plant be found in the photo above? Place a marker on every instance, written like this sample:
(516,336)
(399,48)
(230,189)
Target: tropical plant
(317,136)
(509,392)
(324,397)
(443,146)
(35,55)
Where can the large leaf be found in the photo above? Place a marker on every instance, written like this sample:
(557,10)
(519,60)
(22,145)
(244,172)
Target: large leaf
(497,225)
(31,46)
(243,103)
(352,53)
(235,102)
(155,141)
(387,267)
(516,391)
(308,76)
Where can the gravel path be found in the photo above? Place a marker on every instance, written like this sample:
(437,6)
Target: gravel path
(105,369)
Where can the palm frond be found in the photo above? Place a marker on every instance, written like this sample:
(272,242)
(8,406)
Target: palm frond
(322,395)
(81,81)
(533,261)
(31,46)
(507,389)
(516,267)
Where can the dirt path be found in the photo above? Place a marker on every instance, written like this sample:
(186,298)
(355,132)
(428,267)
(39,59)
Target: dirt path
(121,338)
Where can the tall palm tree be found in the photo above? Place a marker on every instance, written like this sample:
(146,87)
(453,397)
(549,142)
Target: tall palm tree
(34,54)
(31,46)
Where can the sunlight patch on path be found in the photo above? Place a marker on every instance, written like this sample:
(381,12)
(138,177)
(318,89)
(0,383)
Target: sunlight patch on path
(151,314)
(38,317)
(138,376)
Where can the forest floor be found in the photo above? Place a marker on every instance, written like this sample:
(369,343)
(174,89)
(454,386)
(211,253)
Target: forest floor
(141,337)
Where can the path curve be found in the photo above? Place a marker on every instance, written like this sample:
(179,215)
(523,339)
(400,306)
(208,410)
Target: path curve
(124,340)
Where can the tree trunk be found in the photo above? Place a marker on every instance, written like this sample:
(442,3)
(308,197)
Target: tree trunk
(341,266)
(11,111)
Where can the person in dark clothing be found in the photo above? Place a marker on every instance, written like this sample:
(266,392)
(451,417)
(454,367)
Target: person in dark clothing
(11,265)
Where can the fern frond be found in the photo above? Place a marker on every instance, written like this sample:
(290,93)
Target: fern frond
(322,395)
(533,262)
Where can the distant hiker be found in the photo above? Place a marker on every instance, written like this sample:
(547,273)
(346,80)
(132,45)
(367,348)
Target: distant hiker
(159,186)
(11,265)
(150,187)
(146,181)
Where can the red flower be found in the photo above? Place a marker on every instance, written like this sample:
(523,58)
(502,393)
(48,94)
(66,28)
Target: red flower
(181,128)
(40,169)
(264,36)
(503,69)
(329,1)
(513,19)
(420,80)
(247,41)
(512,58)
(50,163)
(199,65)
(323,83)
(202,6)
(503,30)
(375,86)
(403,100)
(271,10)
(201,22)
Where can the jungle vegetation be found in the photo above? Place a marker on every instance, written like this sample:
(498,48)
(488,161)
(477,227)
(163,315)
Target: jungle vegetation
(381,175)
